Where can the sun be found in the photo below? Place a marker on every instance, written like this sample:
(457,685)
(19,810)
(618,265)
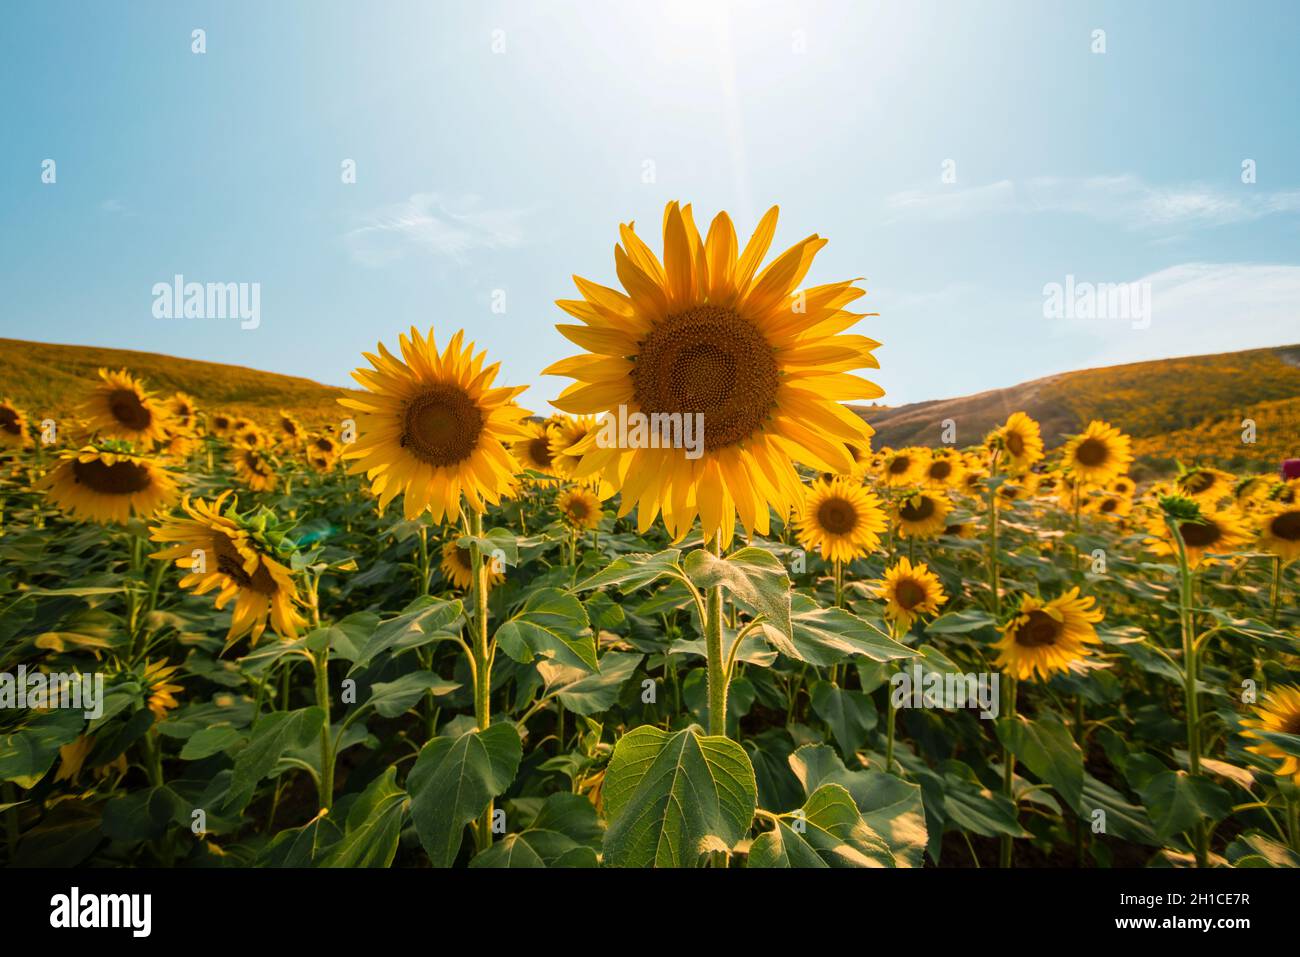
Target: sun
(841,519)
(1043,638)
(707,332)
(108,483)
(434,428)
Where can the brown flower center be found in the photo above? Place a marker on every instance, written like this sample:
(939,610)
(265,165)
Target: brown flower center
(940,469)
(1015,443)
(1286,526)
(9,420)
(126,407)
(465,558)
(1199,534)
(900,465)
(837,516)
(1041,629)
(441,425)
(120,478)
(917,509)
(1198,482)
(909,593)
(231,564)
(708,360)
(1109,505)
(1092,453)
(540,450)
(578,510)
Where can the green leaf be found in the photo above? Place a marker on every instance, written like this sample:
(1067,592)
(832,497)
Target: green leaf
(424,620)
(274,734)
(26,754)
(667,796)
(1123,820)
(500,544)
(588,694)
(636,570)
(305,846)
(552,624)
(453,781)
(373,826)
(827,636)
(1047,749)
(960,622)
(752,575)
(209,741)
(565,833)
(1177,801)
(849,714)
(827,832)
(142,815)
(393,698)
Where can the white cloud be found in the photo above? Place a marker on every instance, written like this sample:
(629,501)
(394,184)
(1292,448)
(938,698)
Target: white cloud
(953,203)
(429,222)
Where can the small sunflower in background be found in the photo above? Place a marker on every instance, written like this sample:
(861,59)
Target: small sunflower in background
(1046,484)
(108,483)
(119,407)
(909,591)
(254,468)
(921,514)
(159,687)
(1021,443)
(1108,505)
(322,451)
(221,549)
(841,519)
(220,423)
(1016,488)
(972,482)
(533,450)
(946,468)
(564,438)
(1279,530)
(1205,485)
(248,435)
(863,463)
(1287,492)
(14,430)
(1122,486)
(434,428)
(966,529)
(1099,454)
(1278,713)
(183,413)
(1214,533)
(1043,638)
(289,430)
(902,468)
(579,507)
(456,567)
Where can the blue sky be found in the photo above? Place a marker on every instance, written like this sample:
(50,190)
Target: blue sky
(498,145)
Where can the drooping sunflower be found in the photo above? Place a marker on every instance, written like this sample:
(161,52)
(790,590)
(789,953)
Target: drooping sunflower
(160,688)
(1098,454)
(706,332)
(119,407)
(254,468)
(220,549)
(579,507)
(1279,713)
(322,451)
(14,433)
(902,468)
(434,428)
(108,483)
(910,591)
(1216,533)
(1021,442)
(841,519)
(921,514)
(945,469)
(456,567)
(1279,530)
(533,451)
(1205,485)
(1046,637)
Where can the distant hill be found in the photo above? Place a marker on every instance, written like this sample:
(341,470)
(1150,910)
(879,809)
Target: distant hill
(51,380)
(1190,408)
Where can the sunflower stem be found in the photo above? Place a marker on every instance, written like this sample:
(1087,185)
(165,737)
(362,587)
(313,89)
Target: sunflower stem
(1191,668)
(326,783)
(995,585)
(482,658)
(423,581)
(1275,590)
(1008,768)
(717,669)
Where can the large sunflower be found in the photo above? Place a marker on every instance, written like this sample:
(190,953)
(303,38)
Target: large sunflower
(1021,442)
(1279,713)
(456,567)
(434,427)
(14,432)
(1046,637)
(910,591)
(579,507)
(1205,485)
(108,483)
(921,514)
(118,407)
(1098,454)
(1216,533)
(706,332)
(841,519)
(218,549)
(1279,530)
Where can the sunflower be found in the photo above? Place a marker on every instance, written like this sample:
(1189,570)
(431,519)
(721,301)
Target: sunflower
(841,519)
(1020,441)
(1046,637)
(1287,492)
(254,468)
(118,407)
(1122,485)
(965,530)
(579,507)
(706,332)
(1098,454)
(322,451)
(564,438)
(156,680)
(289,429)
(921,514)
(533,451)
(248,435)
(902,468)
(220,423)
(1279,531)
(74,754)
(1046,484)
(456,567)
(1279,713)
(219,548)
(14,432)
(182,412)
(972,482)
(945,469)
(1016,488)
(433,428)
(1108,505)
(1215,533)
(108,483)
(1205,485)
(909,591)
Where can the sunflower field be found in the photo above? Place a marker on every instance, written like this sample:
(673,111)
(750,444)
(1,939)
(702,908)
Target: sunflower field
(438,630)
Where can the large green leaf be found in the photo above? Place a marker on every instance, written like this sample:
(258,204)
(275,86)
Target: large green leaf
(565,833)
(587,694)
(454,779)
(552,624)
(26,754)
(274,734)
(1177,801)
(752,575)
(827,636)
(1047,749)
(392,698)
(424,620)
(670,796)
(636,570)
(373,825)
(849,714)
(828,832)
